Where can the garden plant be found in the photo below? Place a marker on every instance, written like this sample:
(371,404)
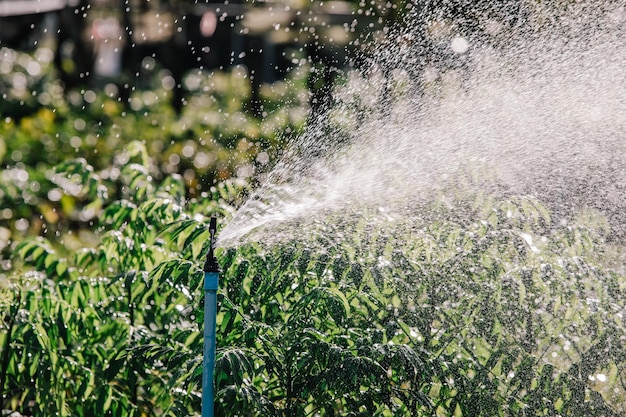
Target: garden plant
(443,318)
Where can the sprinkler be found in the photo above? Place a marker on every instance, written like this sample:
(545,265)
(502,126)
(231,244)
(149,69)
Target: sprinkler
(211,278)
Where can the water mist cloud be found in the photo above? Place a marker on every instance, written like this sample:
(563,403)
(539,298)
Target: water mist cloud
(536,106)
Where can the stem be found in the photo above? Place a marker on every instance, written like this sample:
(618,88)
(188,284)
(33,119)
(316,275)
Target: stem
(290,412)
(131,313)
(6,350)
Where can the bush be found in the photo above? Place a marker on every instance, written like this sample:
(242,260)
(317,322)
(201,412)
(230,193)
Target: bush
(505,314)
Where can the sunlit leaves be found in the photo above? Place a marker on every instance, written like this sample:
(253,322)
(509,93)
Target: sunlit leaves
(39,253)
(189,235)
(123,293)
(58,338)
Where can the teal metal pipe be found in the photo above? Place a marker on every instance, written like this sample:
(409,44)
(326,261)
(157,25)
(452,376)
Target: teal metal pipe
(211,282)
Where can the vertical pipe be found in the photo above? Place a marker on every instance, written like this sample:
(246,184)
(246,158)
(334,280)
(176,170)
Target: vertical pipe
(211,278)
(210,305)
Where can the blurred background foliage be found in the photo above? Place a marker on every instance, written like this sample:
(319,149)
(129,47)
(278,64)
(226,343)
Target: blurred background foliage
(209,101)
(214,139)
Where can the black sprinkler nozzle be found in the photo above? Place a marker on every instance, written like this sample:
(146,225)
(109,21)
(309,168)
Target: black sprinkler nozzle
(211,264)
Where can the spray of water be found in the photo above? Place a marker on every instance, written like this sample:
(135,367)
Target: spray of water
(522,100)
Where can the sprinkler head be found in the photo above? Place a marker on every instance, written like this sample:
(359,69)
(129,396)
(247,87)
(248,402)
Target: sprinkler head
(211,264)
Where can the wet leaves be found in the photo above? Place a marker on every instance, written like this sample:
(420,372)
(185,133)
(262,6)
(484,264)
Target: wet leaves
(451,317)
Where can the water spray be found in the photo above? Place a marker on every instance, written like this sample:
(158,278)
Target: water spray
(211,278)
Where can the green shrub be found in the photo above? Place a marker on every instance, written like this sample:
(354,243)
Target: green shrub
(503,314)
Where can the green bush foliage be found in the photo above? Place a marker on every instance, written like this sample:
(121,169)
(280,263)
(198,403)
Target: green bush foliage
(505,314)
